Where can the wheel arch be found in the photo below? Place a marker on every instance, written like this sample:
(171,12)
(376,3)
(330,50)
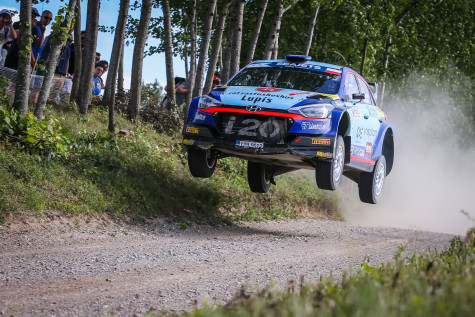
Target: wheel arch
(344,131)
(388,149)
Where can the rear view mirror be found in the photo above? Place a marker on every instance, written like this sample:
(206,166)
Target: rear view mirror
(358,97)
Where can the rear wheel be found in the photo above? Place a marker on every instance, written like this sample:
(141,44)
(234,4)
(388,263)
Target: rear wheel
(259,180)
(371,184)
(201,163)
(329,174)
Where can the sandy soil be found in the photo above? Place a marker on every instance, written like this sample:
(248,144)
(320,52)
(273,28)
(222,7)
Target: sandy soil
(64,267)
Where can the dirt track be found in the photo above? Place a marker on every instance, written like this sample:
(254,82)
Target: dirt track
(62,269)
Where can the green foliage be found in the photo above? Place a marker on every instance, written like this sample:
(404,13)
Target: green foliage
(34,136)
(144,174)
(432,284)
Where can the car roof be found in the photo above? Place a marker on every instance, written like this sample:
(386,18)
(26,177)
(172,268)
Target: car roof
(306,63)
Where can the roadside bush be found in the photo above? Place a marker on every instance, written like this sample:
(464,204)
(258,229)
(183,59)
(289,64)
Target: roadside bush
(37,137)
(433,284)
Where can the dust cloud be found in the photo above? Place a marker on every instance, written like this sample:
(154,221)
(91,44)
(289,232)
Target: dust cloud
(433,178)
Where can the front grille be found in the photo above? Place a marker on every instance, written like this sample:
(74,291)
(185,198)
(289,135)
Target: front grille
(251,127)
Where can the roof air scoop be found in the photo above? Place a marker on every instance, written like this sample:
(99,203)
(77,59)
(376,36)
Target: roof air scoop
(298,58)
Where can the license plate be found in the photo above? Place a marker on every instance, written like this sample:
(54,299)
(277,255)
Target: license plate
(247,144)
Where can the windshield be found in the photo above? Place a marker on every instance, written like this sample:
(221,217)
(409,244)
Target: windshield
(288,78)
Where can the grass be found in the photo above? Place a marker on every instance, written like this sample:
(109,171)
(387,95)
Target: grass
(432,284)
(144,175)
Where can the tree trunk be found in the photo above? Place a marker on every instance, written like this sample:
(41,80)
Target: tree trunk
(57,39)
(228,53)
(275,30)
(237,40)
(204,48)
(257,31)
(218,37)
(137,64)
(388,45)
(88,61)
(77,53)
(311,29)
(167,26)
(192,73)
(363,59)
(20,102)
(109,93)
(120,77)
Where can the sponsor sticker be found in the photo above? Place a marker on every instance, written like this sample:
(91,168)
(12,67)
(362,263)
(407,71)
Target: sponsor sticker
(321,141)
(357,113)
(200,116)
(325,154)
(192,130)
(248,144)
(296,93)
(312,126)
(268,89)
(369,148)
(188,142)
(357,151)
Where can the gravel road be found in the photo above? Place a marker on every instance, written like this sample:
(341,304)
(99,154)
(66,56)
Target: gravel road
(62,268)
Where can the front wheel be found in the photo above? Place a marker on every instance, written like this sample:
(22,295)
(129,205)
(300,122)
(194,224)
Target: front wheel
(201,163)
(329,174)
(371,184)
(259,180)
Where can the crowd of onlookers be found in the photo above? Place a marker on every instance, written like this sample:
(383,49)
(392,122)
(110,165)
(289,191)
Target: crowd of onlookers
(40,52)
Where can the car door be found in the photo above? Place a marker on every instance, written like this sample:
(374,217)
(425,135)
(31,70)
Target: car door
(364,126)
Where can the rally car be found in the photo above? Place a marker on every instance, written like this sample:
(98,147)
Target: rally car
(283,115)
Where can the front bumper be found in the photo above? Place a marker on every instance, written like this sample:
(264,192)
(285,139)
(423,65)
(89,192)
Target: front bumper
(300,151)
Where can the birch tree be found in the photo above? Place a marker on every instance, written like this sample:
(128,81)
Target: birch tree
(204,48)
(77,51)
(257,31)
(228,47)
(58,38)
(275,29)
(137,63)
(191,75)
(311,29)
(20,102)
(237,38)
(88,61)
(167,26)
(217,39)
(109,93)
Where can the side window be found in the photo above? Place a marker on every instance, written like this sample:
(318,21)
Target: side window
(367,95)
(351,87)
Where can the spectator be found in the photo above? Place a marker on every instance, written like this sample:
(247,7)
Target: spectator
(105,66)
(96,81)
(7,33)
(216,82)
(72,58)
(38,43)
(181,88)
(98,57)
(11,60)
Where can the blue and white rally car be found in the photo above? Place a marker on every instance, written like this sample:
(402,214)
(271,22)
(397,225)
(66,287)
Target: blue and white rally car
(283,115)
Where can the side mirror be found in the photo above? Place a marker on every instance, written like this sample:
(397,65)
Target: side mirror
(358,97)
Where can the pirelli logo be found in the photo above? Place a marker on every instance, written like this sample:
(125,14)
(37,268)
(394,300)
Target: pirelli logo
(321,141)
(192,130)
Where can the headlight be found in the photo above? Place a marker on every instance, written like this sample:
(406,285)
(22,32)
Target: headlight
(313,111)
(206,102)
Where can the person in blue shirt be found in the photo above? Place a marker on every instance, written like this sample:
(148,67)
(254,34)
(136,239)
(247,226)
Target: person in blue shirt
(96,81)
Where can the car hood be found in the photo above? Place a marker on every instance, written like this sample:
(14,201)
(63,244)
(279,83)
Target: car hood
(276,98)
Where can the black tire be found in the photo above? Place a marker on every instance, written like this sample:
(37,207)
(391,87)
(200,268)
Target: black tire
(201,163)
(259,181)
(329,174)
(371,184)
